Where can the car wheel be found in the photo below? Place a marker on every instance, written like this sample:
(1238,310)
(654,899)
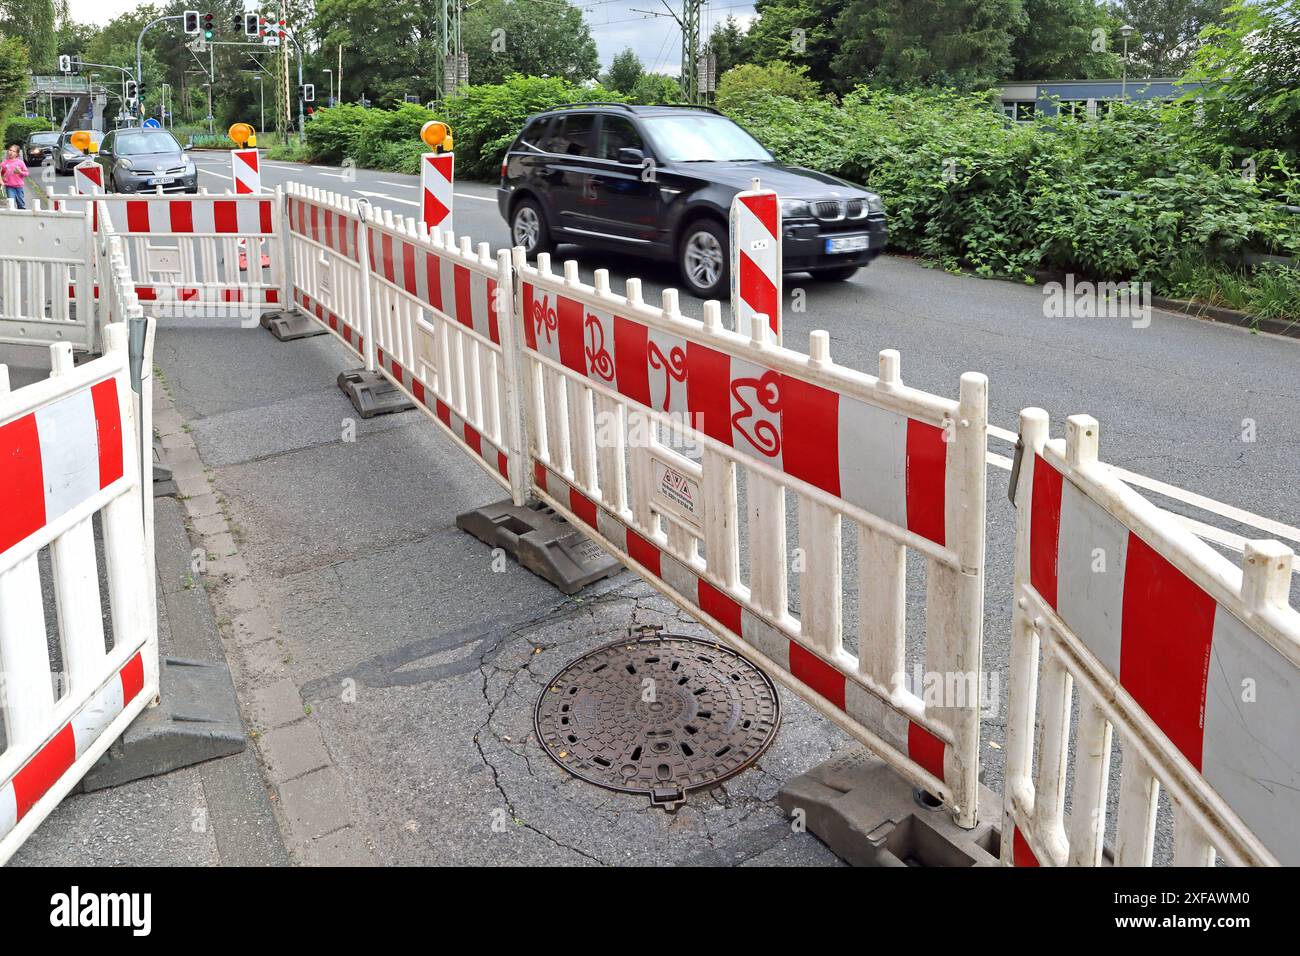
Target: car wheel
(703,261)
(838,274)
(528,229)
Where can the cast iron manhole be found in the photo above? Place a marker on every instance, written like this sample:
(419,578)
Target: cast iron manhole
(658,715)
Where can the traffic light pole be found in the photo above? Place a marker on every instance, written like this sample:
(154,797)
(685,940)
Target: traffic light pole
(139,47)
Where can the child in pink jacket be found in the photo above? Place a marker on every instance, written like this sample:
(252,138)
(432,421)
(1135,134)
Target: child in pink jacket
(13,172)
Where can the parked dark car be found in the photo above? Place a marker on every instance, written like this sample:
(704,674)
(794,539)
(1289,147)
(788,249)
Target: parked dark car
(66,155)
(137,159)
(39,147)
(658,181)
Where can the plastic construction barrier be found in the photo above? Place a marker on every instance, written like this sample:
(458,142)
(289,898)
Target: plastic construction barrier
(433,318)
(867,466)
(1187,662)
(196,249)
(329,280)
(44,257)
(68,452)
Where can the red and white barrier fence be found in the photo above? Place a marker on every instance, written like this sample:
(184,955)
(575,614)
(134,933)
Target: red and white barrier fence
(866,459)
(47,259)
(190,251)
(68,451)
(1190,663)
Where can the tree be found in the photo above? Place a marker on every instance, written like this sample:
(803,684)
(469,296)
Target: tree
(34,22)
(727,44)
(964,44)
(389,48)
(653,89)
(1065,39)
(503,37)
(797,32)
(13,74)
(1166,34)
(1244,83)
(739,84)
(624,72)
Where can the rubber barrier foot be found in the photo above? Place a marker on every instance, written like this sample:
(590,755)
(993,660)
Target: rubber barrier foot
(371,394)
(869,815)
(163,485)
(295,325)
(196,719)
(542,541)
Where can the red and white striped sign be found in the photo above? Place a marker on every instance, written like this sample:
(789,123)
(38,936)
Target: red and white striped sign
(88,178)
(756,259)
(38,775)
(164,215)
(54,458)
(1182,656)
(457,291)
(890,465)
(436,185)
(246,171)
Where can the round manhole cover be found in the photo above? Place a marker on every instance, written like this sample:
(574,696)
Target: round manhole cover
(658,715)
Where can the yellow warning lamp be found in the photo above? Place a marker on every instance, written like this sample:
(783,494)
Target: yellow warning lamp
(242,133)
(437,136)
(82,141)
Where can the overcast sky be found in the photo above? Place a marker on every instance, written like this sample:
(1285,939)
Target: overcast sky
(656,40)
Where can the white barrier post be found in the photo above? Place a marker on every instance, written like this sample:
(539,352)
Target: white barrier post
(756,259)
(436,189)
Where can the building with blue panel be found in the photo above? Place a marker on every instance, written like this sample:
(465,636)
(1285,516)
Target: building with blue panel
(1021,101)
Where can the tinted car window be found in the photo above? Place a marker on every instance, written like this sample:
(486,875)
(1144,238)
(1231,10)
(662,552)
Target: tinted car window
(107,145)
(571,135)
(617,132)
(146,141)
(534,134)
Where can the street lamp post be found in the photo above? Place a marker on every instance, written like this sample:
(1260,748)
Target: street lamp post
(1125,31)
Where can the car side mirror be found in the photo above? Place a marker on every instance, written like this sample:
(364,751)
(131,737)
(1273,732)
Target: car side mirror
(630,156)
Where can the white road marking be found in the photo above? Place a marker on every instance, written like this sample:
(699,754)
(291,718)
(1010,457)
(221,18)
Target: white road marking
(389,182)
(404,202)
(211,172)
(479,198)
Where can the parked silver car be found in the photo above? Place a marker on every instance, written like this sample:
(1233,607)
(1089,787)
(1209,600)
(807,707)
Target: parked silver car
(136,159)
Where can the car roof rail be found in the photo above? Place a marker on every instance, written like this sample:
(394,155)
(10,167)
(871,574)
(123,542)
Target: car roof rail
(569,106)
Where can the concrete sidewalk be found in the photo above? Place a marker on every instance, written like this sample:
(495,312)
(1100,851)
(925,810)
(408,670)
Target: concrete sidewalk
(388,673)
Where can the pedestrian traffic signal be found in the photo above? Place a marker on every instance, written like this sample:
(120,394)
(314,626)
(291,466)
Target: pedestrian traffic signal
(208,30)
(65,63)
(308,92)
(252,25)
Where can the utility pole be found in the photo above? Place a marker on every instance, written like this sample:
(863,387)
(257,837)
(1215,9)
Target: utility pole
(689,22)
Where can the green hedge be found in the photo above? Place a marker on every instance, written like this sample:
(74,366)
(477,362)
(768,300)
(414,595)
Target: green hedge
(18,128)
(1122,196)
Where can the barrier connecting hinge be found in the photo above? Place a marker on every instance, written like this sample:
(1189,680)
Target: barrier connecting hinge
(1015,468)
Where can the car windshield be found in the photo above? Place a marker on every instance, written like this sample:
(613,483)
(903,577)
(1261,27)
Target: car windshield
(149,141)
(703,137)
(44,139)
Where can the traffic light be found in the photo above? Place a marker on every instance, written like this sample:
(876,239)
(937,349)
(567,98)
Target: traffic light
(132,91)
(252,25)
(65,63)
(208,30)
(308,92)
(191,22)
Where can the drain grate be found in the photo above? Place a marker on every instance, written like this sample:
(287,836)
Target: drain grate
(658,715)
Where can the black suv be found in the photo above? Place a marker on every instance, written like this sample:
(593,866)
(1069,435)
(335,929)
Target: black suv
(659,180)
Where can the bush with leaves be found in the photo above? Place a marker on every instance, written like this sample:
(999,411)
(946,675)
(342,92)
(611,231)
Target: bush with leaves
(18,129)
(740,83)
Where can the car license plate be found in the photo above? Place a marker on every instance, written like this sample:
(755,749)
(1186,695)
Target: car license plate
(161,180)
(848,244)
